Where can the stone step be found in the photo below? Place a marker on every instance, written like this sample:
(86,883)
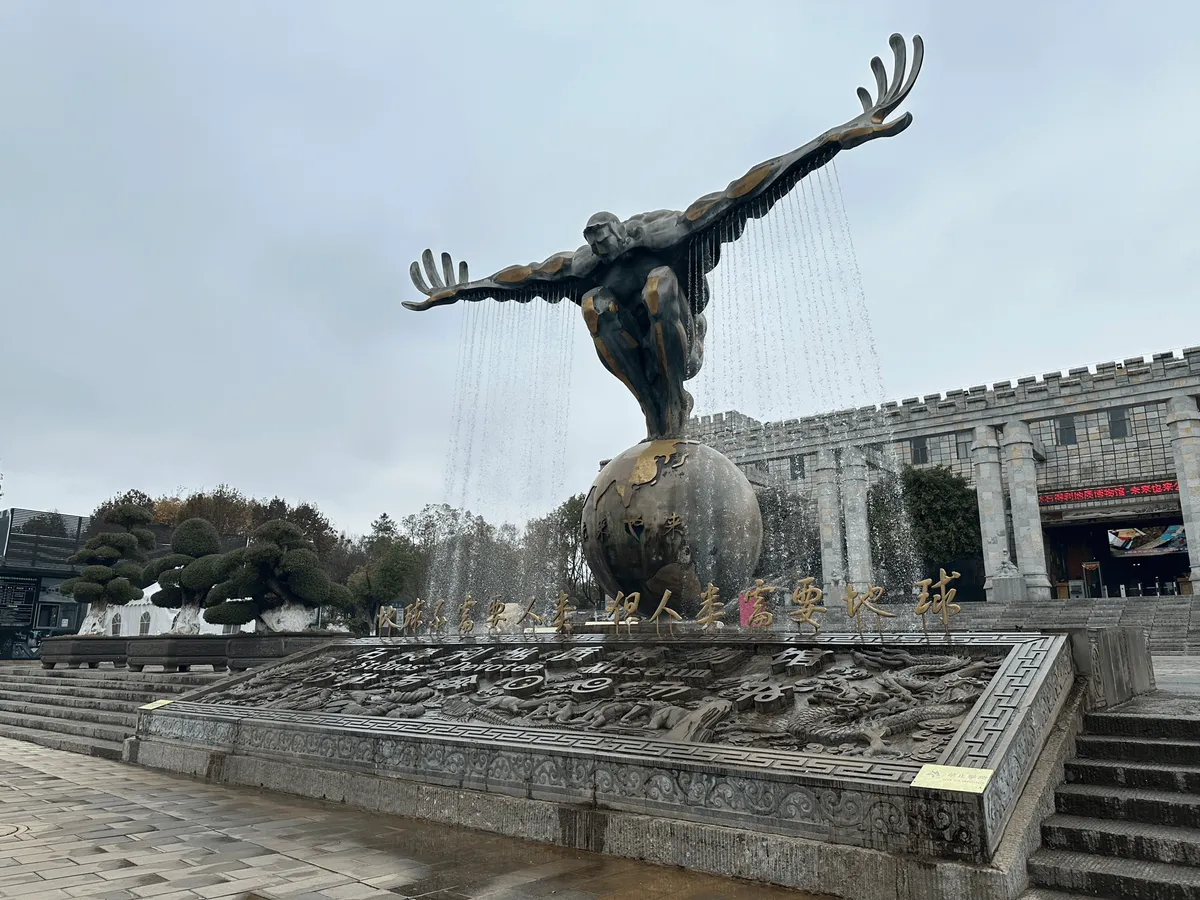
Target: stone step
(125,695)
(1037,893)
(125,717)
(57,741)
(175,682)
(1119,773)
(1131,804)
(1104,876)
(47,721)
(67,702)
(1118,838)
(1175,751)
(26,671)
(1142,725)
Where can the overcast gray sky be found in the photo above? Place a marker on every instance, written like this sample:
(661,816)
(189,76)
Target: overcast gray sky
(207,209)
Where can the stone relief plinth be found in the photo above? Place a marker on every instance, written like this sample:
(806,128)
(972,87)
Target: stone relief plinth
(772,733)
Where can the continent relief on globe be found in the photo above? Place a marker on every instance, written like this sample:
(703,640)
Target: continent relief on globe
(627,473)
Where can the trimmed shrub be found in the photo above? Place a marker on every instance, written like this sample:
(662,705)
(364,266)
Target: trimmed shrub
(112,562)
(279,567)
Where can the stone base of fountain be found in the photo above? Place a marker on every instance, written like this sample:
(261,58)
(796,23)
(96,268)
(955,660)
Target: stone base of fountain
(672,515)
(744,754)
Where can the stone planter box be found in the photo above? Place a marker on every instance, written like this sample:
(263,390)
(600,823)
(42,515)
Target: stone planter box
(178,653)
(74,650)
(250,650)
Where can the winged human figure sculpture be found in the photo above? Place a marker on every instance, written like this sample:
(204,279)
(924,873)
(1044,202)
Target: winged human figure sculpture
(642,282)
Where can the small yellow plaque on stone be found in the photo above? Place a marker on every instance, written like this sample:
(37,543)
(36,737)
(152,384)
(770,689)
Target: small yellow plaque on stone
(157,704)
(953,778)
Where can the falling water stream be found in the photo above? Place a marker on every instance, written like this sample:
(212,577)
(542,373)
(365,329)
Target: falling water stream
(790,336)
(505,464)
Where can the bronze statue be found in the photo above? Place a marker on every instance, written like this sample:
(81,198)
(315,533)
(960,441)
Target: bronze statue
(669,515)
(642,282)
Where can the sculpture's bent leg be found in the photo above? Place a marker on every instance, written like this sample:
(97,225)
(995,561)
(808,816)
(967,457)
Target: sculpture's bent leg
(670,338)
(612,331)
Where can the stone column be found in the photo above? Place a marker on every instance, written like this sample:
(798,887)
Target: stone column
(993,525)
(829,513)
(854,511)
(1027,518)
(1183,417)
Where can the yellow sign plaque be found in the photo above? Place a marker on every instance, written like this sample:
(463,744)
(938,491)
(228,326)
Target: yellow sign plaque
(953,778)
(157,704)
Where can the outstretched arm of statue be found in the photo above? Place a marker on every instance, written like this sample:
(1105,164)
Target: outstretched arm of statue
(551,280)
(753,195)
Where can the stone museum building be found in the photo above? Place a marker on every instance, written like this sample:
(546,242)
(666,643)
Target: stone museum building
(1088,481)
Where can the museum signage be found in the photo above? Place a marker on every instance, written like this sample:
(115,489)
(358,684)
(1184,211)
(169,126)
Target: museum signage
(1111,492)
(17,596)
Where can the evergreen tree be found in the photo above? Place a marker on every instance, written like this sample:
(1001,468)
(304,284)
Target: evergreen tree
(944,512)
(49,524)
(920,521)
(387,577)
(132,497)
(552,551)
(227,508)
(112,564)
(383,528)
(275,581)
(187,573)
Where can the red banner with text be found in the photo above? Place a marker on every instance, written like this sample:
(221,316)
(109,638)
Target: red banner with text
(1110,492)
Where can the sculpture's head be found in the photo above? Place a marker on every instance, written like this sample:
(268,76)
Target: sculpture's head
(606,235)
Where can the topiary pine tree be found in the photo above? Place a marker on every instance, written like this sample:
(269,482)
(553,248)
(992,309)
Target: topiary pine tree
(112,564)
(186,574)
(276,581)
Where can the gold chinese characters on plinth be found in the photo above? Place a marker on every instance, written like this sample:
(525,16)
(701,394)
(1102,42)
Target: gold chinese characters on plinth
(466,618)
(712,611)
(672,615)
(807,602)
(495,612)
(387,621)
(940,604)
(414,614)
(529,614)
(562,613)
(760,616)
(856,603)
(623,609)
(437,621)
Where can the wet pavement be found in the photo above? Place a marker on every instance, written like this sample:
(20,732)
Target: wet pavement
(76,826)
(1178,675)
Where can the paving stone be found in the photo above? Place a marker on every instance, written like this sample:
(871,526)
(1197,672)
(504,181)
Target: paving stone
(135,834)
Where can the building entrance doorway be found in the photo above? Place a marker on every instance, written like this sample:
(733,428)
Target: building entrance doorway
(1136,557)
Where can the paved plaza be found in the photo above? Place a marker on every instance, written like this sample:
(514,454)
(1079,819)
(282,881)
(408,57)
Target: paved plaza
(1177,675)
(76,826)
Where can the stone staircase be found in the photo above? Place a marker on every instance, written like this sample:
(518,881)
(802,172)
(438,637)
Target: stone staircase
(88,711)
(1127,821)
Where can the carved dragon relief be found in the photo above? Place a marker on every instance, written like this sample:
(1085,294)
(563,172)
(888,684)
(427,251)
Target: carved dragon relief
(886,704)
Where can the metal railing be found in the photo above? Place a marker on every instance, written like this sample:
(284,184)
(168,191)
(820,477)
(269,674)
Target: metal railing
(37,540)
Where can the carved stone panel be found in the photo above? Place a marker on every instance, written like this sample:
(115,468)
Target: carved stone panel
(815,738)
